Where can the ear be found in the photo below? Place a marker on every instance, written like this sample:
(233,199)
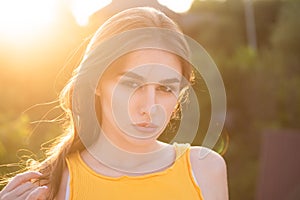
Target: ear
(98,91)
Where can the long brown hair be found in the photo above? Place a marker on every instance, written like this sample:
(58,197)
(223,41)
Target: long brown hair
(69,142)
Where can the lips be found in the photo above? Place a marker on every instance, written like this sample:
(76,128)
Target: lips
(145,127)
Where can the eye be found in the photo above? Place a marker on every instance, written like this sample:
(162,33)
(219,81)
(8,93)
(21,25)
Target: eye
(130,84)
(164,88)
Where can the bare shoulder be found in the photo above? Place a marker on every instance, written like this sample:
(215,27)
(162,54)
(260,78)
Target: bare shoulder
(204,157)
(61,194)
(210,171)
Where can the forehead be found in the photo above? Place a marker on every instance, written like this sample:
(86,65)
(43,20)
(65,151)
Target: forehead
(147,61)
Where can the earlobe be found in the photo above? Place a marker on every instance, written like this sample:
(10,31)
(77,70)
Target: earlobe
(97,92)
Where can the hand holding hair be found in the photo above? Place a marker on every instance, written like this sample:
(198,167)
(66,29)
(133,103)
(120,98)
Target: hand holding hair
(23,187)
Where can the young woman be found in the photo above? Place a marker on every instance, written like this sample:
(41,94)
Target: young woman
(125,93)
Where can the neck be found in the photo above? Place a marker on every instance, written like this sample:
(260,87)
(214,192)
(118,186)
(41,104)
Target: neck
(132,159)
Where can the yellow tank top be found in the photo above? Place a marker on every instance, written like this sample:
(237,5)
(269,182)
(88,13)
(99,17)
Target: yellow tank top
(174,183)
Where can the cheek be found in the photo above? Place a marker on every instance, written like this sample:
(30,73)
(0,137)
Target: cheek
(105,96)
(134,106)
(169,105)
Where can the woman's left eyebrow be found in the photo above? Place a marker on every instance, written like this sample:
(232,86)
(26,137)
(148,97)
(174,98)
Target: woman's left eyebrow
(170,80)
(141,78)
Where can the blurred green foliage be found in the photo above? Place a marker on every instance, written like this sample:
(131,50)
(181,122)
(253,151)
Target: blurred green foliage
(13,135)
(262,85)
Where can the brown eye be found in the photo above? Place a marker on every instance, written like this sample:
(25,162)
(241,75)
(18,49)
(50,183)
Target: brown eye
(164,88)
(130,84)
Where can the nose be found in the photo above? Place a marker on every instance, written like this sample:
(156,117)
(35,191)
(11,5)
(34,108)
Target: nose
(147,98)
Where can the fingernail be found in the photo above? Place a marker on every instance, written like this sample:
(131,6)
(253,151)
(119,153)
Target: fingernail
(45,187)
(39,173)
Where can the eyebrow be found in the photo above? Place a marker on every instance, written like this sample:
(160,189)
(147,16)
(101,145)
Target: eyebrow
(169,81)
(133,75)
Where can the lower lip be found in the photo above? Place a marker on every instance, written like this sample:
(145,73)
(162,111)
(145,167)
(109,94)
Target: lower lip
(145,129)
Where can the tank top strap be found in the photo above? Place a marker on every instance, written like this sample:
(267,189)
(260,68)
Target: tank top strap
(181,148)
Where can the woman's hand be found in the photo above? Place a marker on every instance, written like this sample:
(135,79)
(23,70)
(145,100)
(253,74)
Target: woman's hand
(21,187)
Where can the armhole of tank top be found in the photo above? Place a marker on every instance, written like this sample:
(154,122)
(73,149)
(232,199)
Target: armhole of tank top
(68,187)
(180,150)
(185,150)
(190,168)
(194,177)
(192,174)
(67,196)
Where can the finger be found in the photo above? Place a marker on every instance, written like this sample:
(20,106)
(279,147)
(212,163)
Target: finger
(38,193)
(18,190)
(23,188)
(19,179)
(25,194)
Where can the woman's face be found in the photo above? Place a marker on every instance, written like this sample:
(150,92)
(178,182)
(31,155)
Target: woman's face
(138,94)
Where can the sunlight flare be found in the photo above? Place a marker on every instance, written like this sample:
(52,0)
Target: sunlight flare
(179,6)
(18,17)
(82,9)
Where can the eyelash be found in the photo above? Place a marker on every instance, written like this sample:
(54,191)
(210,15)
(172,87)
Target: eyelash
(131,84)
(162,88)
(165,88)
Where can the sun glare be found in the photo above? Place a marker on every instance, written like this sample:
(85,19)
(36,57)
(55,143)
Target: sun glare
(82,9)
(19,17)
(179,6)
